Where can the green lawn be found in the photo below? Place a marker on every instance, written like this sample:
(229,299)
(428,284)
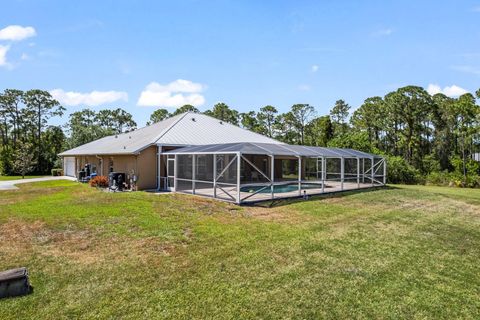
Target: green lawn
(4,178)
(403,252)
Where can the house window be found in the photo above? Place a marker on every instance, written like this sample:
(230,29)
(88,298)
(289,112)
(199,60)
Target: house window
(110,165)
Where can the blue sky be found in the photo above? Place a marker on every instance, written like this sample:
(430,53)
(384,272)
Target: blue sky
(138,54)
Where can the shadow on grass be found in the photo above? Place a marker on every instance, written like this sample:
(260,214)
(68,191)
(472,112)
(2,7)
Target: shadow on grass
(292,200)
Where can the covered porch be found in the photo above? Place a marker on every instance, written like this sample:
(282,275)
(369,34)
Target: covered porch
(252,172)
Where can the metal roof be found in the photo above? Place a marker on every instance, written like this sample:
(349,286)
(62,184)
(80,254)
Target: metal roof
(273,149)
(182,130)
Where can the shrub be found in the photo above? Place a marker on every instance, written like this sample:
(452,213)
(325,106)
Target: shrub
(472,181)
(400,171)
(57,172)
(99,181)
(453,179)
(442,178)
(472,171)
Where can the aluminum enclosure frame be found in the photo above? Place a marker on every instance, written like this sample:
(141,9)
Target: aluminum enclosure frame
(370,172)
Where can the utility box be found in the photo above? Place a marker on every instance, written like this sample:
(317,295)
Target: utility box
(14,283)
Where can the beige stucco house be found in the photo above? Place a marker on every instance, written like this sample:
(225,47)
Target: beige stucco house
(140,152)
(197,154)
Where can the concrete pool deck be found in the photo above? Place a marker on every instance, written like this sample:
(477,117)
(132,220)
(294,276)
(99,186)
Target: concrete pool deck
(229,193)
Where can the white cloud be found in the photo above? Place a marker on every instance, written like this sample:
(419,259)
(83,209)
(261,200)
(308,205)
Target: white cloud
(382,32)
(94,98)
(3,56)
(314,68)
(450,91)
(174,94)
(25,56)
(16,33)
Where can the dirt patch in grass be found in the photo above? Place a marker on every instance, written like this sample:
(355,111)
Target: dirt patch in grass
(78,246)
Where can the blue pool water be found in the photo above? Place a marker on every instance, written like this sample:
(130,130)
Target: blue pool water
(280,188)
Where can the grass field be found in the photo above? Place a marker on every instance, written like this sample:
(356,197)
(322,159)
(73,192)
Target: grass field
(403,252)
(5,178)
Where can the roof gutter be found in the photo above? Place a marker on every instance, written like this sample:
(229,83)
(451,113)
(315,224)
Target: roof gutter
(95,154)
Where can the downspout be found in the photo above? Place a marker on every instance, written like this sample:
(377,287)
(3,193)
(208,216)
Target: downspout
(136,172)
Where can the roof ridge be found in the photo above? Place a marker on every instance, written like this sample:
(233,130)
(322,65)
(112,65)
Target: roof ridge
(181,116)
(255,133)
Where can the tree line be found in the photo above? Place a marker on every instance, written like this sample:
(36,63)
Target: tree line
(425,138)
(28,144)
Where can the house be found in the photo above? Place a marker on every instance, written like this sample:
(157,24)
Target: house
(197,154)
(139,152)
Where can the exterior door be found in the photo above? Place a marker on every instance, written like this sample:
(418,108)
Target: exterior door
(319,169)
(170,173)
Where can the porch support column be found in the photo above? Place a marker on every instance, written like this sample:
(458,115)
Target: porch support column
(363,170)
(214,175)
(384,171)
(324,168)
(175,173)
(239,158)
(299,176)
(272,174)
(373,172)
(342,172)
(193,173)
(159,183)
(358,173)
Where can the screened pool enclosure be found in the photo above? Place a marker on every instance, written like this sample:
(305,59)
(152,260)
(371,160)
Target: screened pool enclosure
(253,172)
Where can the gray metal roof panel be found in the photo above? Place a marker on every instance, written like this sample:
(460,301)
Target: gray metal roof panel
(200,129)
(184,129)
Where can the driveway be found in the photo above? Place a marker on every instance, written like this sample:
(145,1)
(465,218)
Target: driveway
(10,184)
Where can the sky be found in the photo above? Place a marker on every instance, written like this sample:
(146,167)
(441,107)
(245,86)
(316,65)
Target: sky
(144,55)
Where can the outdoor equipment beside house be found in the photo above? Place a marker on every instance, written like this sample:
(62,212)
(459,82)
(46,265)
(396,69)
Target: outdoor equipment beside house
(86,173)
(14,282)
(81,175)
(87,169)
(116,181)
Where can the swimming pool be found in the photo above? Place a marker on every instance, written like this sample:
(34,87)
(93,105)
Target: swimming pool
(282,188)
